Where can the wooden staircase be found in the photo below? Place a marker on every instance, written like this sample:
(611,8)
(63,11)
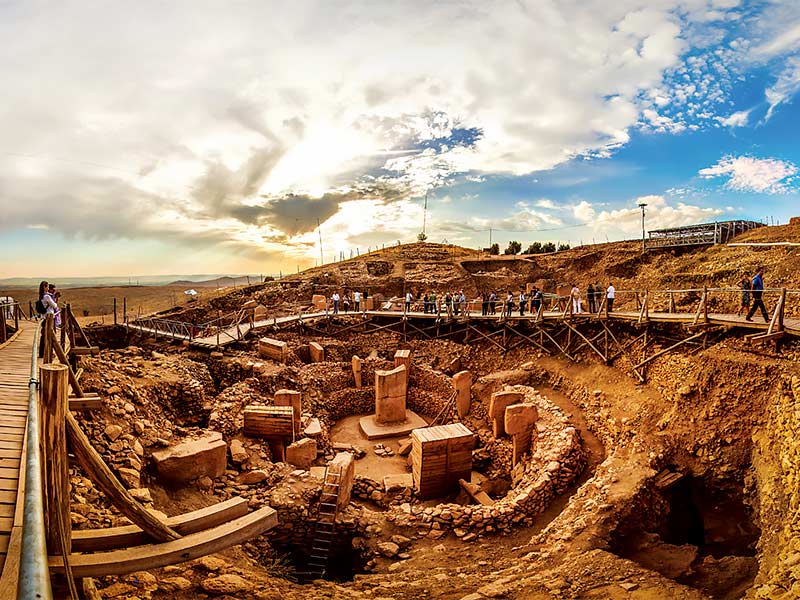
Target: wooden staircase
(324,531)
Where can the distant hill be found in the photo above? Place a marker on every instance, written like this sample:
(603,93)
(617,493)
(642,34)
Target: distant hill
(219,282)
(197,280)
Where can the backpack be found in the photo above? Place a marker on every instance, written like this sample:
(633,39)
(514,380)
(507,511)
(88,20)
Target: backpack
(40,308)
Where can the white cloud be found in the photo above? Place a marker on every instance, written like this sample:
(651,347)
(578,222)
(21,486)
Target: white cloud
(660,213)
(545,203)
(748,174)
(189,112)
(786,85)
(736,119)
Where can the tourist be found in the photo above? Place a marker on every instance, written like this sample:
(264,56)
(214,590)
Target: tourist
(484,304)
(462,300)
(590,296)
(575,294)
(41,309)
(425,303)
(745,285)
(50,301)
(598,297)
(434,305)
(758,290)
(448,304)
(536,300)
(346,301)
(409,298)
(522,302)
(492,303)
(509,304)
(610,298)
(456,303)
(335,299)
(357,301)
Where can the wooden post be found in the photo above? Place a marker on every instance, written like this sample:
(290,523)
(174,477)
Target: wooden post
(705,304)
(48,335)
(671,302)
(3,336)
(115,310)
(100,474)
(16,316)
(55,476)
(124,310)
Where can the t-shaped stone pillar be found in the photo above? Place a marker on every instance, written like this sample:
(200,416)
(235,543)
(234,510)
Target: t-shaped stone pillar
(520,422)
(316,352)
(344,462)
(462,382)
(403,357)
(497,409)
(290,398)
(356,362)
(390,395)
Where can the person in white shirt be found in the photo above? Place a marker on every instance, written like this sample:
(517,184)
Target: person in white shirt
(576,299)
(610,298)
(335,299)
(357,301)
(409,298)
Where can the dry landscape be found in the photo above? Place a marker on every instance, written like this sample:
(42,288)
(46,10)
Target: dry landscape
(685,486)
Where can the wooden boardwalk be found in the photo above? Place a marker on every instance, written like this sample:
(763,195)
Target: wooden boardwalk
(235,333)
(15,370)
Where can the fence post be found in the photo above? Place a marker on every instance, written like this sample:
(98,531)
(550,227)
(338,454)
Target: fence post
(124,310)
(115,310)
(55,475)
(16,316)
(2,323)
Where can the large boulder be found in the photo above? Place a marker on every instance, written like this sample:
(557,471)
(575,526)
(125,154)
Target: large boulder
(204,456)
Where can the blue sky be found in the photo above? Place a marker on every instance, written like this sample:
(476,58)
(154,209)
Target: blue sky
(188,137)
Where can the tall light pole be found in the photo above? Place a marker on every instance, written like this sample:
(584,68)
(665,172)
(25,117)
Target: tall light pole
(642,205)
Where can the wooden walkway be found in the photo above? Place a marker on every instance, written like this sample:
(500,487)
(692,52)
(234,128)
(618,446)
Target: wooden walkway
(236,333)
(15,369)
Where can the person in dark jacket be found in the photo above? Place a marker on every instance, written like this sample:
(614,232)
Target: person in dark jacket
(758,290)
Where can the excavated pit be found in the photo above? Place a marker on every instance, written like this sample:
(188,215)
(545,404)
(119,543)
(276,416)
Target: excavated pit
(700,531)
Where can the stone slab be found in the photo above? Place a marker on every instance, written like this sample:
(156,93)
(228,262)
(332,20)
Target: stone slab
(302,453)
(394,483)
(204,456)
(375,431)
(462,383)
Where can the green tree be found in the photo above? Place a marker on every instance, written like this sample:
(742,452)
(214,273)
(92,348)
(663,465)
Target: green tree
(534,248)
(549,247)
(494,249)
(513,247)
(562,247)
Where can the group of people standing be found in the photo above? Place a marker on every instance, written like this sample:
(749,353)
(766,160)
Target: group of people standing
(346,302)
(47,304)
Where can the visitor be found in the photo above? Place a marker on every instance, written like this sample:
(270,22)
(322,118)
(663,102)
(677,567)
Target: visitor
(346,301)
(434,306)
(462,300)
(745,285)
(409,298)
(590,296)
(50,301)
(493,303)
(41,309)
(456,303)
(522,302)
(356,301)
(448,304)
(536,300)
(575,293)
(598,297)
(484,304)
(509,304)
(610,298)
(758,290)
(335,299)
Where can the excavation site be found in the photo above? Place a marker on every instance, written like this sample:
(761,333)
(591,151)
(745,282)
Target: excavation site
(289,439)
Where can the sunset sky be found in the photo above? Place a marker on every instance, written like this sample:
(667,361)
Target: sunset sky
(197,137)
